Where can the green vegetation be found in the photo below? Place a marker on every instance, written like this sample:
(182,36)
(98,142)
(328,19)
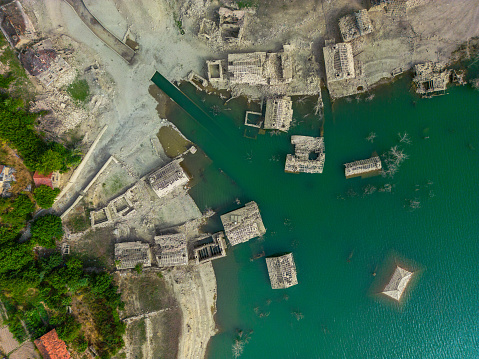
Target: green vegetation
(45,196)
(79,90)
(47,230)
(242,4)
(139,268)
(179,24)
(79,222)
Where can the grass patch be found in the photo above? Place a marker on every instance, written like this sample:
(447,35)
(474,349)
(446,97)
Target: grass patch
(244,4)
(79,90)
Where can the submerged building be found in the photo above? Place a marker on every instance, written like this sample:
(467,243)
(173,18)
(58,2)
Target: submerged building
(130,254)
(355,25)
(214,249)
(370,166)
(279,114)
(171,250)
(168,178)
(398,283)
(339,62)
(431,77)
(308,155)
(16,26)
(282,271)
(243,224)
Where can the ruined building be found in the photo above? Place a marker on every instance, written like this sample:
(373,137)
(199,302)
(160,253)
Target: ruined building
(279,113)
(215,72)
(398,283)
(118,208)
(168,178)
(243,224)
(339,62)
(228,26)
(7,176)
(171,250)
(45,64)
(367,167)
(308,155)
(16,26)
(282,271)
(391,4)
(431,77)
(129,254)
(355,25)
(214,249)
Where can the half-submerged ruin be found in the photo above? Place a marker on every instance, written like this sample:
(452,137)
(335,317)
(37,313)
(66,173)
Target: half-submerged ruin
(364,168)
(355,25)
(214,249)
(171,250)
(282,271)
(308,155)
(168,178)
(431,77)
(130,254)
(279,114)
(243,224)
(398,283)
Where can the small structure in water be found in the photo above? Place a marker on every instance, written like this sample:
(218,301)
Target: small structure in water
(279,113)
(398,283)
(129,254)
(431,77)
(364,168)
(355,25)
(171,250)
(243,224)
(211,250)
(168,178)
(282,271)
(308,155)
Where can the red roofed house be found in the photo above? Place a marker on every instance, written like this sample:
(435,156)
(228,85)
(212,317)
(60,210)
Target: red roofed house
(52,347)
(40,179)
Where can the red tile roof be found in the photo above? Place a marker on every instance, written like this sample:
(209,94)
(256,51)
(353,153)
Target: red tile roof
(40,179)
(52,347)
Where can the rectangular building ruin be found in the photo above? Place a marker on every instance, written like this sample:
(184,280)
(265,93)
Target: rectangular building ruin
(101,217)
(168,178)
(367,167)
(397,283)
(171,250)
(431,77)
(130,254)
(279,113)
(232,24)
(243,224)
(16,26)
(215,71)
(6,178)
(308,155)
(44,63)
(214,249)
(282,271)
(355,25)
(119,207)
(339,62)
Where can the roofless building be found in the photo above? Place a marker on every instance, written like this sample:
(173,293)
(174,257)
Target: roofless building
(282,271)
(171,250)
(398,283)
(129,254)
(243,224)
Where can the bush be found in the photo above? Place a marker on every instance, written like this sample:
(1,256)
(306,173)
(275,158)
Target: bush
(47,230)
(45,196)
(79,90)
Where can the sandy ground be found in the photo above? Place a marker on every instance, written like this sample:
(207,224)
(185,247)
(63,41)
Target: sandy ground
(121,91)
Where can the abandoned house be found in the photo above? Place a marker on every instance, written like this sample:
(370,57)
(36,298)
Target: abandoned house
(398,283)
(308,155)
(6,178)
(282,271)
(208,29)
(51,346)
(368,167)
(339,62)
(50,180)
(16,26)
(232,23)
(210,250)
(279,113)
(431,77)
(243,224)
(215,71)
(168,178)
(355,25)
(130,254)
(171,250)
(45,64)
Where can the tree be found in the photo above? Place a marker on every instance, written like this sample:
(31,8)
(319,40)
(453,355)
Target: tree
(47,230)
(45,196)
(50,161)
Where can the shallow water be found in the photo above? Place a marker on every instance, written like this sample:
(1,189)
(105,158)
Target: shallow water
(324,219)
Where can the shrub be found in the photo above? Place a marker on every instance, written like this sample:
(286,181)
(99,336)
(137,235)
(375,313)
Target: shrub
(45,196)
(79,90)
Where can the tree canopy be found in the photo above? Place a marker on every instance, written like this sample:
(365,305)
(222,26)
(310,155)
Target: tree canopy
(46,230)
(45,196)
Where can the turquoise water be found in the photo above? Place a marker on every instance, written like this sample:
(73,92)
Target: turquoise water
(324,219)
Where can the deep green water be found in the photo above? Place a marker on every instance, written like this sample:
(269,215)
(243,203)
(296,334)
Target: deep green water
(324,219)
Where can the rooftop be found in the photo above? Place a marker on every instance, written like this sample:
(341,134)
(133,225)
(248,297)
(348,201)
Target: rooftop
(282,271)
(171,250)
(40,179)
(129,254)
(339,62)
(52,347)
(398,283)
(243,224)
(167,178)
(279,113)
(308,155)
(15,24)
